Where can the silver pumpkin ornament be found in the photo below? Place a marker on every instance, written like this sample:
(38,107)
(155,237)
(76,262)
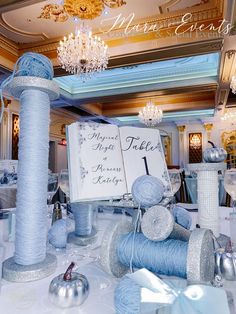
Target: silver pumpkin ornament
(214,154)
(69,289)
(226,264)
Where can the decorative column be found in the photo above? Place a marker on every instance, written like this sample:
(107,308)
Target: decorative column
(208,194)
(182,150)
(4,136)
(208,128)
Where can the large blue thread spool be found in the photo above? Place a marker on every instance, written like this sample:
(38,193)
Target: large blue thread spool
(34,89)
(198,264)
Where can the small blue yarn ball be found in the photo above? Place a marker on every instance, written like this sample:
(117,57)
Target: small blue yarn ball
(182,217)
(147,191)
(35,64)
(57,234)
(127,297)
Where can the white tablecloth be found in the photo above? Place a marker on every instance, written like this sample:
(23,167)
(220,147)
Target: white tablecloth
(32,297)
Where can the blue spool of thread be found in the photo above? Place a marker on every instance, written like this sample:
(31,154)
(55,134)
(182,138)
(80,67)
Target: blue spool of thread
(182,217)
(168,257)
(122,250)
(147,191)
(83,215)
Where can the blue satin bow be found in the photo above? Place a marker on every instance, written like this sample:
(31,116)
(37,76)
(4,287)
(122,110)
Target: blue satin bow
(193,299)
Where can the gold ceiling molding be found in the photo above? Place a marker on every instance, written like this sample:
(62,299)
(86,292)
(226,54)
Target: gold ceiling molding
(165,8)
(9,53)
(18,31)
(9,45)
(54,12)
(228,138)
(229,66)
(83,9)
(166,24)
(221,97)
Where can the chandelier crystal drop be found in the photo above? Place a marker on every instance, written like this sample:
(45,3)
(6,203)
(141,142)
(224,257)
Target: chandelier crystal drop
(229,115)
(150,115)
(82,53)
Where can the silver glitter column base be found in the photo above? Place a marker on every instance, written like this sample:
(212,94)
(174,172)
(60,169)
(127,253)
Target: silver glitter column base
(82,240)
(201,257)
(20,273)
(109,259)
(21,83)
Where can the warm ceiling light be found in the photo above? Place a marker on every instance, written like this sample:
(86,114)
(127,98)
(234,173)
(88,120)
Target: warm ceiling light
(150,114)
(83,54)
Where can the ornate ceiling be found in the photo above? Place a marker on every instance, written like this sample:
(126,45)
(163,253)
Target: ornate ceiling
(136,32)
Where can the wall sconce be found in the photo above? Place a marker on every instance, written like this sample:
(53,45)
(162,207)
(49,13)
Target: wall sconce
(63,142)
(195,147)
(195,140)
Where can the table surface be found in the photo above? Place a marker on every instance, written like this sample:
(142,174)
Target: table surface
(32,297)
(7,195)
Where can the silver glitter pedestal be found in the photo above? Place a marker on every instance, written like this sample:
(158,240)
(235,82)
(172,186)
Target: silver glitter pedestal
(82,240)
(21,83)
(20,273)
(200,257)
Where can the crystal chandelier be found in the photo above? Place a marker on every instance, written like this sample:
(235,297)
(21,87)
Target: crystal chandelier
(229,115)
(150,115)
(233,84)
(82,53)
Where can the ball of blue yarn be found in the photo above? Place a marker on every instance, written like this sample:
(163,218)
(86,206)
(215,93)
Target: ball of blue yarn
(127,297)
(182,217)
(147,191)
(57,234)
(35,64)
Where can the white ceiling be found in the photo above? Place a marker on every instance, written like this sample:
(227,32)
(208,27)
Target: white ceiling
(23,25)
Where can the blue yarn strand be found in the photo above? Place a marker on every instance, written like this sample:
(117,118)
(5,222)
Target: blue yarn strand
(29,64)
(165,257)
(127,297)
(31,205)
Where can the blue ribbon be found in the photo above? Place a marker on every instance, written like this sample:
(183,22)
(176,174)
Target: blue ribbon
(194,299)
